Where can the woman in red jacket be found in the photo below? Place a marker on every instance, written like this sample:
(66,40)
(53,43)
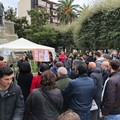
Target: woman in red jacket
(62,57)
(37,79)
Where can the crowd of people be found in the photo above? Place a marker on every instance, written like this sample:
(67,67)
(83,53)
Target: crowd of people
(64,91)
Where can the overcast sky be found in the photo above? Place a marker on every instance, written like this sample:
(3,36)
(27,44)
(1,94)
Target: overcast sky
(80,2)
(14,3)
(11,3)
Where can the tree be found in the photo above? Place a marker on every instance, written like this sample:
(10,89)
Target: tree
(43,35)
(84,7)
(99,27)
(39,33)
(39,17)
(66,11)
(10,14)
(20,23)
(66,40)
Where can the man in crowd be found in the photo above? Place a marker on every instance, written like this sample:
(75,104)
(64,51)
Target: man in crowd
(63,79)
(80,92)
(105,70)
(99,59)
(2,63)
(111,97)
(90,57)
(23,59)
(107,57)
(114,55)
(62,82)
(68,64)
(73,74)
(96,74)
(56,66)
(11,98)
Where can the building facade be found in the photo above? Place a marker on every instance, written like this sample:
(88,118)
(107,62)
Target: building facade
(27,5)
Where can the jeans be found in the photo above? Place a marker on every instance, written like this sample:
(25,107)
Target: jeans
(113,117)
(84,115)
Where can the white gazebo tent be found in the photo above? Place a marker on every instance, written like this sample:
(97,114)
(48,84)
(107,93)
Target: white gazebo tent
(25,45)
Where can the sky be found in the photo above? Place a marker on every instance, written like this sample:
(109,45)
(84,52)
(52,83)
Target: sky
(14,3)
(11,3)
(80,2)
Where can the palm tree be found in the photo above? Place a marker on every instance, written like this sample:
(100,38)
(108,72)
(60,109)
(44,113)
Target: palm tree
(66,11)
(84,7)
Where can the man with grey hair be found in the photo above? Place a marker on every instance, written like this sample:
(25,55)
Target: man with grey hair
(1,13)
(62,83)
(114,55)
(63,79)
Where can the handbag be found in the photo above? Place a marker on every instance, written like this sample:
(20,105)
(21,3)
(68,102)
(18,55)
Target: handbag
(50,102)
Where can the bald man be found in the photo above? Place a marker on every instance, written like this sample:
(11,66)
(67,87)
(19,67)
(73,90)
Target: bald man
(96,74)
(105,70)
(91,65)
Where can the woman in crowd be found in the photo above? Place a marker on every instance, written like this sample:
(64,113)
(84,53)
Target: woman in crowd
(37,79)
(44,103)
(25,78)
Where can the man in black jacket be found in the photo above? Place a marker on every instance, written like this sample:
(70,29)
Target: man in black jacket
(11,98)
(96,74)
(111,97)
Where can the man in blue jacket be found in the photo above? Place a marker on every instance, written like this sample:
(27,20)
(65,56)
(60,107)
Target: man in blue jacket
(11,98)
(80,92)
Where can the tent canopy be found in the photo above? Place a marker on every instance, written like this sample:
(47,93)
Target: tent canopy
(25,45)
